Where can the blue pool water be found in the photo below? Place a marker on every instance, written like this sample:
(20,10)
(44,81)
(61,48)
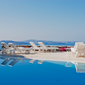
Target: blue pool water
(47,73)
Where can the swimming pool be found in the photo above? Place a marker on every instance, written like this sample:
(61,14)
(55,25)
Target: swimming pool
(47,73)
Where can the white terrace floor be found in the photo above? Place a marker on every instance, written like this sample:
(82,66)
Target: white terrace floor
(58,56)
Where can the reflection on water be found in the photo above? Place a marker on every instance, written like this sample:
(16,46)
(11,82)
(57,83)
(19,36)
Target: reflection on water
(11,61)
(80,67)
(38,72)
(68,64)
(14,60)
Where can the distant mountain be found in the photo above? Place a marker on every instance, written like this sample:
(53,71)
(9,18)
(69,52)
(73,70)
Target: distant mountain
(26,42)
(15,42)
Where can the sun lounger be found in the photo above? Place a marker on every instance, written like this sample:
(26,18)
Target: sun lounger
(12,45)
(47,48)
(4,48)
(34,46)
(20,49)
(16,50)
(73,50)
(80,50)
(4,44)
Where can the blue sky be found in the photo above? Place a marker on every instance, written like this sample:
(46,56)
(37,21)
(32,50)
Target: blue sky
(57,20)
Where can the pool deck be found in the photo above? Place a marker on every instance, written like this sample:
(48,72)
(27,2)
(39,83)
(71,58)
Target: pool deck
(58,56)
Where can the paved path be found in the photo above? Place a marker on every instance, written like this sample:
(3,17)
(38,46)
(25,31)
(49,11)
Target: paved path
(59,56)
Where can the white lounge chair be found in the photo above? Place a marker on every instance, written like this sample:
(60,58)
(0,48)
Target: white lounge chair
(20,49)
(12,45)
(35,46)
(47,48)
(4,44)
(73,50)
(5,48)
(80,50)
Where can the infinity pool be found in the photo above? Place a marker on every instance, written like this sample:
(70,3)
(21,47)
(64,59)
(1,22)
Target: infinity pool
(47,73)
